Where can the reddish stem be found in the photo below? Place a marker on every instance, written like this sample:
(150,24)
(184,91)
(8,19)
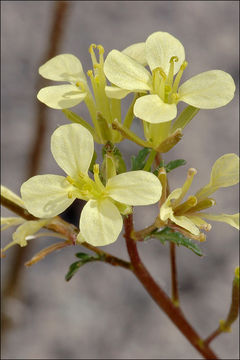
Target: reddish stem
(211,337)
(160,297)
(175,294)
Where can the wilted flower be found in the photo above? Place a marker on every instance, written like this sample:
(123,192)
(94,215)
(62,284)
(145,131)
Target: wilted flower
(188,215)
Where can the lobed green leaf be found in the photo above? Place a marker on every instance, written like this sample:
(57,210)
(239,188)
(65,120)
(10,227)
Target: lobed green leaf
(176,237)
(74,267)
(138,162)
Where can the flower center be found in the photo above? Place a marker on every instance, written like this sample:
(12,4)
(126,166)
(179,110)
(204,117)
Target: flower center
(164,85)
(86,188)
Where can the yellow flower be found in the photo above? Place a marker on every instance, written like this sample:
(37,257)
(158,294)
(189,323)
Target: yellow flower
(26,229)
(160,91)
(64,67)
(68,68)
(188,215)
(101,221)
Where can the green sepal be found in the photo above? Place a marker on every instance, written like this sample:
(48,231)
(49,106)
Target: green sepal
(184,118)
(110,149)
(84,259)
(93,162)
(138,162)
(170,166)
(176,237)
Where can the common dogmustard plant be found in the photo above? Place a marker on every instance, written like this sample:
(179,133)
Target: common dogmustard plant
(108,188)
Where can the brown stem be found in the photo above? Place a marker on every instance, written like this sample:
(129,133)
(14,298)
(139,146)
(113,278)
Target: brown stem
(212,336)
(66,229)
(160,297)
(175,294)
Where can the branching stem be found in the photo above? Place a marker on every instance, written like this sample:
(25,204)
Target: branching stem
(160,297)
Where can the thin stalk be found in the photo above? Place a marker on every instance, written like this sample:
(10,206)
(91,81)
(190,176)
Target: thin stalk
(175,293)
(160,297)
(66,229)
(150,160)
(212,336)
(128,134)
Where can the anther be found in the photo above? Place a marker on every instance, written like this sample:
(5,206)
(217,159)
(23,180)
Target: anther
(96,169)
(100,49)
(174,59)
(91,47)
(90,74)
(70,194)
(69,179)
(184,65)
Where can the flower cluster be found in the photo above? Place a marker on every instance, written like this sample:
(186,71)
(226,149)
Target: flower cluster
(152,70)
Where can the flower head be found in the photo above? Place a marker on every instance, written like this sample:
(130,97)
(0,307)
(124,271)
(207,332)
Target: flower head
(25,228)
(188,215)
(67,68)
(101,221)
(159,88)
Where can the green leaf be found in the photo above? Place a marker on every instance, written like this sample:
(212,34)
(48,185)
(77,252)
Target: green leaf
(170,166)
(174,164)
(138,162)
(74,267)
(176,237)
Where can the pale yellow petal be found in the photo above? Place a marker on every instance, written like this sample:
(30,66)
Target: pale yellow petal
(225,172)
(185,223)
(232,220)
(208,90)
(64,67)
(115,92)
(7,222)
(137,52)
(200,223)
(153,110)
(61,96)
(128,74)
(10,195)
(160,48)
(46,196)
(100,222)
(26,229)
(72,147)
(135,188)
(166,210)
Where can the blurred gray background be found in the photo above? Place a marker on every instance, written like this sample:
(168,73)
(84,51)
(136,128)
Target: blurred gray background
(103,312)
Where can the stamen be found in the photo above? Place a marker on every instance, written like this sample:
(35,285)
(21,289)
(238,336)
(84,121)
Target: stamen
(204,204)
(162,176)
(179,75)
(187,205)
(159,83)
(101,52)
(70,194)
(191,173)
(90,74)
(92,53)
(97,178)
(80,85)
(171,70)
(69,179)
